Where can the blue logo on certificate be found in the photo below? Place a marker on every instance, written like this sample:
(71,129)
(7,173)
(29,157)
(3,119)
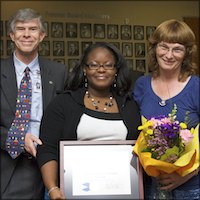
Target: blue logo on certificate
(86,187)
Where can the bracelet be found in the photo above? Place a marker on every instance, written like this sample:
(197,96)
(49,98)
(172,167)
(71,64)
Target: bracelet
(53,188)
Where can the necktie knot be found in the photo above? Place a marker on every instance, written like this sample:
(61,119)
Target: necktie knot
(26,71)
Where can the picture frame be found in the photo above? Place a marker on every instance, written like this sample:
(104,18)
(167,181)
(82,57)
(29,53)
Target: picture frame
(112,31)
(44,48)
(127,49)
(85,30)
(72,63)
(149,31)
(10,47)
(6,28)
(1,48)
(46,25)
(126,32)
(71,30)
(59,60)
(120,178)
(84,45)
(117,44)
(73,48)
(99,31)
(56,29)
(140,65)
(139,49)
(138,32)
(130,63)
(58,48)
(1,28)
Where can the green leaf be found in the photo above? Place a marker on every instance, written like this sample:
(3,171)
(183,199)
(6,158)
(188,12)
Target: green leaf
(171,151)
(146,150)
(154,155)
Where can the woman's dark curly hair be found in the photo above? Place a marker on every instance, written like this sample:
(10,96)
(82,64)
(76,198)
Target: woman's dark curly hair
(174,31)
(123,80)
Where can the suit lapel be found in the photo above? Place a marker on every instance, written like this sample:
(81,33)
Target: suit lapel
(9,83)
(47,83)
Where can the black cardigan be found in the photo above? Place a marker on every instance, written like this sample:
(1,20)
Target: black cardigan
(62,117)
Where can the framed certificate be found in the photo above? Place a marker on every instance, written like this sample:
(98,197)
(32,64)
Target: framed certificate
(100,170)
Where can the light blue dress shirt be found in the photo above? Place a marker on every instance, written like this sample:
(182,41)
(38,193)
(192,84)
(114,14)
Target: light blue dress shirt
(36,107)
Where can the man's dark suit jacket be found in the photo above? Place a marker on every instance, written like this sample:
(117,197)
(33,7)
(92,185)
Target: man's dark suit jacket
(53,77)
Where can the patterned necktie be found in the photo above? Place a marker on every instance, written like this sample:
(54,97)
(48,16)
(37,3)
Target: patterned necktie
(19,126)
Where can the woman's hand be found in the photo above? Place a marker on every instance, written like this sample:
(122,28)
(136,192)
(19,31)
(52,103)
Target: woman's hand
(173,180)
(56,194)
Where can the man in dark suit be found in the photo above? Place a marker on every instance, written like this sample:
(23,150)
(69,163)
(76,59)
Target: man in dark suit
(58,48)
(20,177)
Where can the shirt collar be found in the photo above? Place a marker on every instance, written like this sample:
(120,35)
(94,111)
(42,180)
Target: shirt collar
(20,66)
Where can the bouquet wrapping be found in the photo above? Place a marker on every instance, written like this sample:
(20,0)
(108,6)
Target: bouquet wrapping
(181,153)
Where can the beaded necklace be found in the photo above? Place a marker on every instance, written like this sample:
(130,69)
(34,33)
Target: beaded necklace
(98,102)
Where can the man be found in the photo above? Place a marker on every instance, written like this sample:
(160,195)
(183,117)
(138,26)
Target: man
(139,34)
(140,52)
(73,49)
(58,48)
(71,30)
(20,176)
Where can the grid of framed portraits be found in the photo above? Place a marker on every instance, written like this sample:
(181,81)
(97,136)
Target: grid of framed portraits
(65,42)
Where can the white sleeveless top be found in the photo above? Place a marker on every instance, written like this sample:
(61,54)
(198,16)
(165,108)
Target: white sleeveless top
(96,125)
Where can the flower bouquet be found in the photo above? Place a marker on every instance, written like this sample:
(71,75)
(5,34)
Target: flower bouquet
(166,145)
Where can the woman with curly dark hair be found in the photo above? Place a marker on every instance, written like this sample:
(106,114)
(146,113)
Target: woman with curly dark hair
(96,105)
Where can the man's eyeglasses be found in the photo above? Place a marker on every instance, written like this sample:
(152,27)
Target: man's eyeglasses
(96,66)
(176,50)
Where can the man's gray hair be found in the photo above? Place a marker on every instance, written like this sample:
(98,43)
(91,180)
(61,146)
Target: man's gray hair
(24,15)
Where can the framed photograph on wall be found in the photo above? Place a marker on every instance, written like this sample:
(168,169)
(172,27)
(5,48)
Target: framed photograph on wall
(126,32)
(127,49)
(1,47)
(56,29)
(73,48)
(112,31)
(10,47)
(59,60)
(117,44)
(72,63)
(46,24)
(1,28)
(85,30)
(44,48)
(99,31)
(149,31)
(71,30)
(139,49)
(140,65)
(6,27)
(58,48)
(130,63)
(138,32)
(84,45)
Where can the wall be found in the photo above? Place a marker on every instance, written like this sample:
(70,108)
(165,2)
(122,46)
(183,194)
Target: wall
(142,13)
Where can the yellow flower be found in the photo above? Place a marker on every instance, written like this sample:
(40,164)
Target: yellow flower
(183,125)
(192,130)
(150,132)
(140,128)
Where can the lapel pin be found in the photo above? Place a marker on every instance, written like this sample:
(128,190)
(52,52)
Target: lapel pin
(51,82)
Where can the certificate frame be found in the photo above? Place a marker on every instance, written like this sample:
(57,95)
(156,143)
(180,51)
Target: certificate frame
(66,175)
